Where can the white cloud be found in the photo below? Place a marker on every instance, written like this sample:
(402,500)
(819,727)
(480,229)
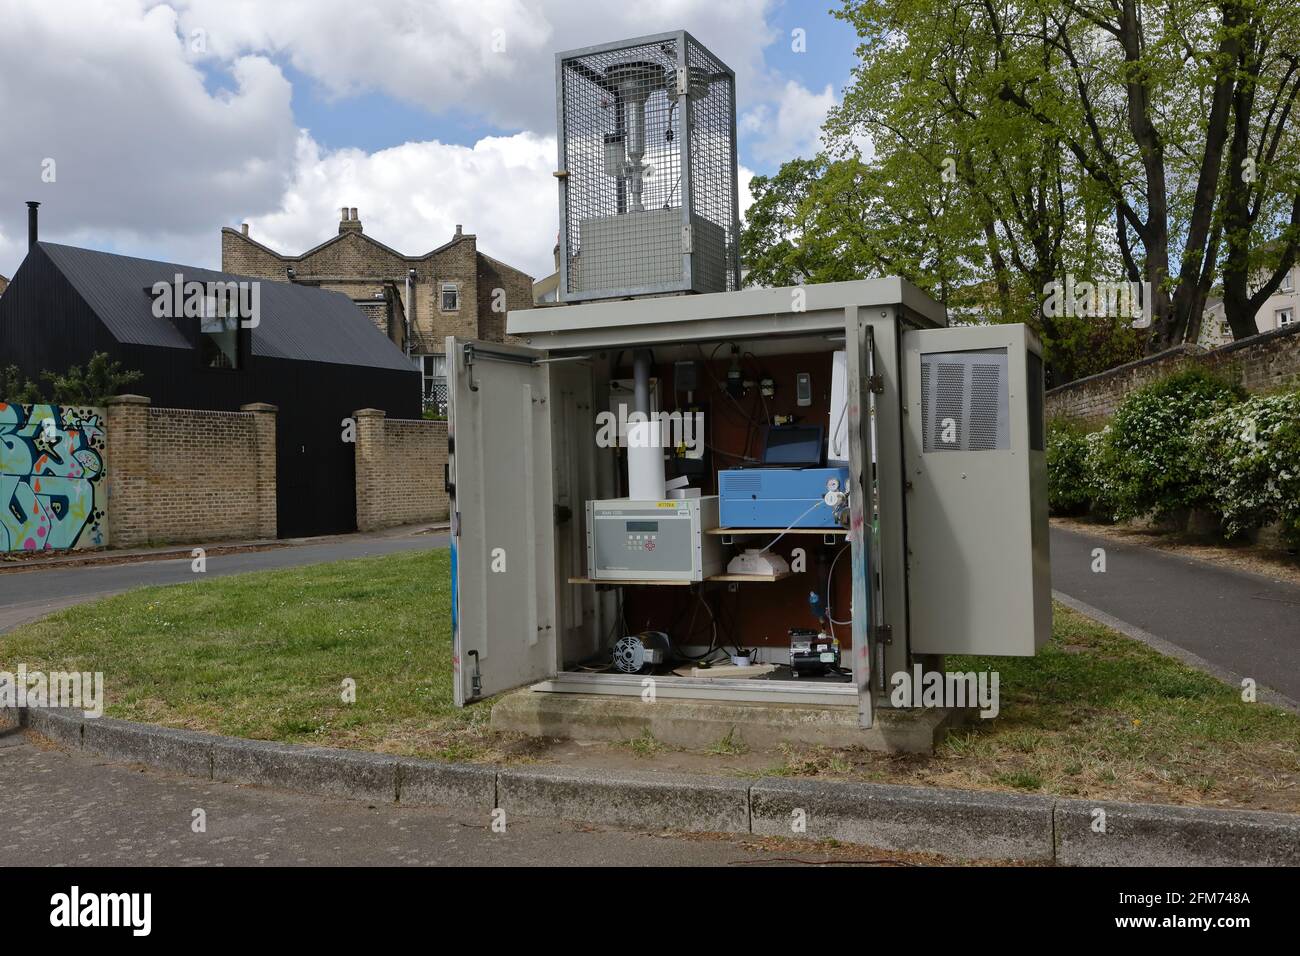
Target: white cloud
(161,135)
(793,127)
(140,147)
(492,57)
(411,197)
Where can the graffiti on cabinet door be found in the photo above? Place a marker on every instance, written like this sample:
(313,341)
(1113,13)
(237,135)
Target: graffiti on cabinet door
(53,493)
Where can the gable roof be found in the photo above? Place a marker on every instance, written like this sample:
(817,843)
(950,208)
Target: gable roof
(364,236)
(301,323)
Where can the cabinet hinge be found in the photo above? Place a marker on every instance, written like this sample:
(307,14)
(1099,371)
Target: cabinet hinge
(884,634)
(877,384)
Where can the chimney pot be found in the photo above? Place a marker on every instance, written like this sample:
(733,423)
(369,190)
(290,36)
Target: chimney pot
(243,227)
(31,223)
(343,214)
(458,232)
(354,214)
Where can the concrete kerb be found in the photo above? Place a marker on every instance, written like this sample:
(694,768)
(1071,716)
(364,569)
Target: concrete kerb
(1097,833)
(628,798)
(964,824)
(960,824)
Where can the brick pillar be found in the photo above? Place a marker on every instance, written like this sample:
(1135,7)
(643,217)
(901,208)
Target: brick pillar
(127,447)
(370,462)
(264,455)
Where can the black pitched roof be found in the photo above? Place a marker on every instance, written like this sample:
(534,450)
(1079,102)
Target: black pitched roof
(297,322)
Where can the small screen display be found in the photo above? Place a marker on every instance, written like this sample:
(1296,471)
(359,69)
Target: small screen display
(636,526)
(793,445)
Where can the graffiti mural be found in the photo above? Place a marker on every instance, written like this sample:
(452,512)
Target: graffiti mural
(53,492)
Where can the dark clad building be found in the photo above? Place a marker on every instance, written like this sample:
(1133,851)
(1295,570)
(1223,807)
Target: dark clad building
(312,353)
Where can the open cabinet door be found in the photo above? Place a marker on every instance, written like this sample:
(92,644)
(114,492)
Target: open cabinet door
(502,519)
(859,345)
(979,576)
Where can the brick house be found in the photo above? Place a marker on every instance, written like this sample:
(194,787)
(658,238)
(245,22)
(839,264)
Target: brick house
(415,300)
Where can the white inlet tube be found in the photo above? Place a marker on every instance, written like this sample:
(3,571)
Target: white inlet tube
(645,462)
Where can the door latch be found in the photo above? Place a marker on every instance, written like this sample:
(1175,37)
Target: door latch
(475,679)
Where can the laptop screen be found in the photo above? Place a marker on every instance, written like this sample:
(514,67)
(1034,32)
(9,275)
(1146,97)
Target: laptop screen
(793,445)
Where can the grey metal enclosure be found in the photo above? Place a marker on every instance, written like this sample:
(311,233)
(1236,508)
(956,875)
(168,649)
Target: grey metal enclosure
(647,169)
(945,530)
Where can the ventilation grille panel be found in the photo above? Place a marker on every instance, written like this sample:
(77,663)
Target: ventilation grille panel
(964,401)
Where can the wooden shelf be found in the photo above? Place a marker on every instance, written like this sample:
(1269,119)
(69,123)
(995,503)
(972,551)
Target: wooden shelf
(630,583)
(734,578)
(737,532)
(768,578)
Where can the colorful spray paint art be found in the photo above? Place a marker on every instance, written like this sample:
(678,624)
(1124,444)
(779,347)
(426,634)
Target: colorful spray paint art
(53,493)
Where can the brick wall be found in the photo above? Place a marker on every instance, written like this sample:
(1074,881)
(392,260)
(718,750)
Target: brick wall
(399,470)
(189,475)
(1261,363)
(493,275)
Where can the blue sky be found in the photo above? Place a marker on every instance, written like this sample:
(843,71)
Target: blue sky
(375,120)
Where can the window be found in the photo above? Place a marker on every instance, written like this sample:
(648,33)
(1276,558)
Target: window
(433,373)
(218,337)
(1288,285)
(450,297)
(1284,317)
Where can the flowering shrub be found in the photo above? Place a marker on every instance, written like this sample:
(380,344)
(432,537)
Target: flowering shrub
(1250,456)
(1100,484)
(1068,490)
(1147,460)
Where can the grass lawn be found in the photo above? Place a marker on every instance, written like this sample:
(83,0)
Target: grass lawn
(265,656)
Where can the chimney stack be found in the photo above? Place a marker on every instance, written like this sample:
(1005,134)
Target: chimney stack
(243,227)
(458,231)
(31,223)
(349,221)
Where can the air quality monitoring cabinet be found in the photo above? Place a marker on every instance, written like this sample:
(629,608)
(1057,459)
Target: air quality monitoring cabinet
(945,540)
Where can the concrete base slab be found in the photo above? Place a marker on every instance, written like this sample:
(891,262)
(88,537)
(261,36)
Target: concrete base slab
(700,724)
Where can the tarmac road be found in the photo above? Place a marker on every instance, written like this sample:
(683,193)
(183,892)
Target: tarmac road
(1240,624)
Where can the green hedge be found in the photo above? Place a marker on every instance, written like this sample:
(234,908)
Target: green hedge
(1149,458)
(1067,469)
(1250,456)
(1188,441)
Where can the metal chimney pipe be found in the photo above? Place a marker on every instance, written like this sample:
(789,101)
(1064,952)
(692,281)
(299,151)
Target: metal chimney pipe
(641,381)
(31,223)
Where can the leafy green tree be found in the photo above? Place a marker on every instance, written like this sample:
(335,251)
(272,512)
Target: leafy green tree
(102,378)
(17,388)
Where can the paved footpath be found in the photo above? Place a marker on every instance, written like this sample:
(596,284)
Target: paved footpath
(73,809)
(1240,624)
(27,595)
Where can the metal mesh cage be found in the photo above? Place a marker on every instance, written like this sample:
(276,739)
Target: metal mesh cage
(647,153)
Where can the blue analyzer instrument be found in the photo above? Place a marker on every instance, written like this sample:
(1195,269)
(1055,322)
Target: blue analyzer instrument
(779,497)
